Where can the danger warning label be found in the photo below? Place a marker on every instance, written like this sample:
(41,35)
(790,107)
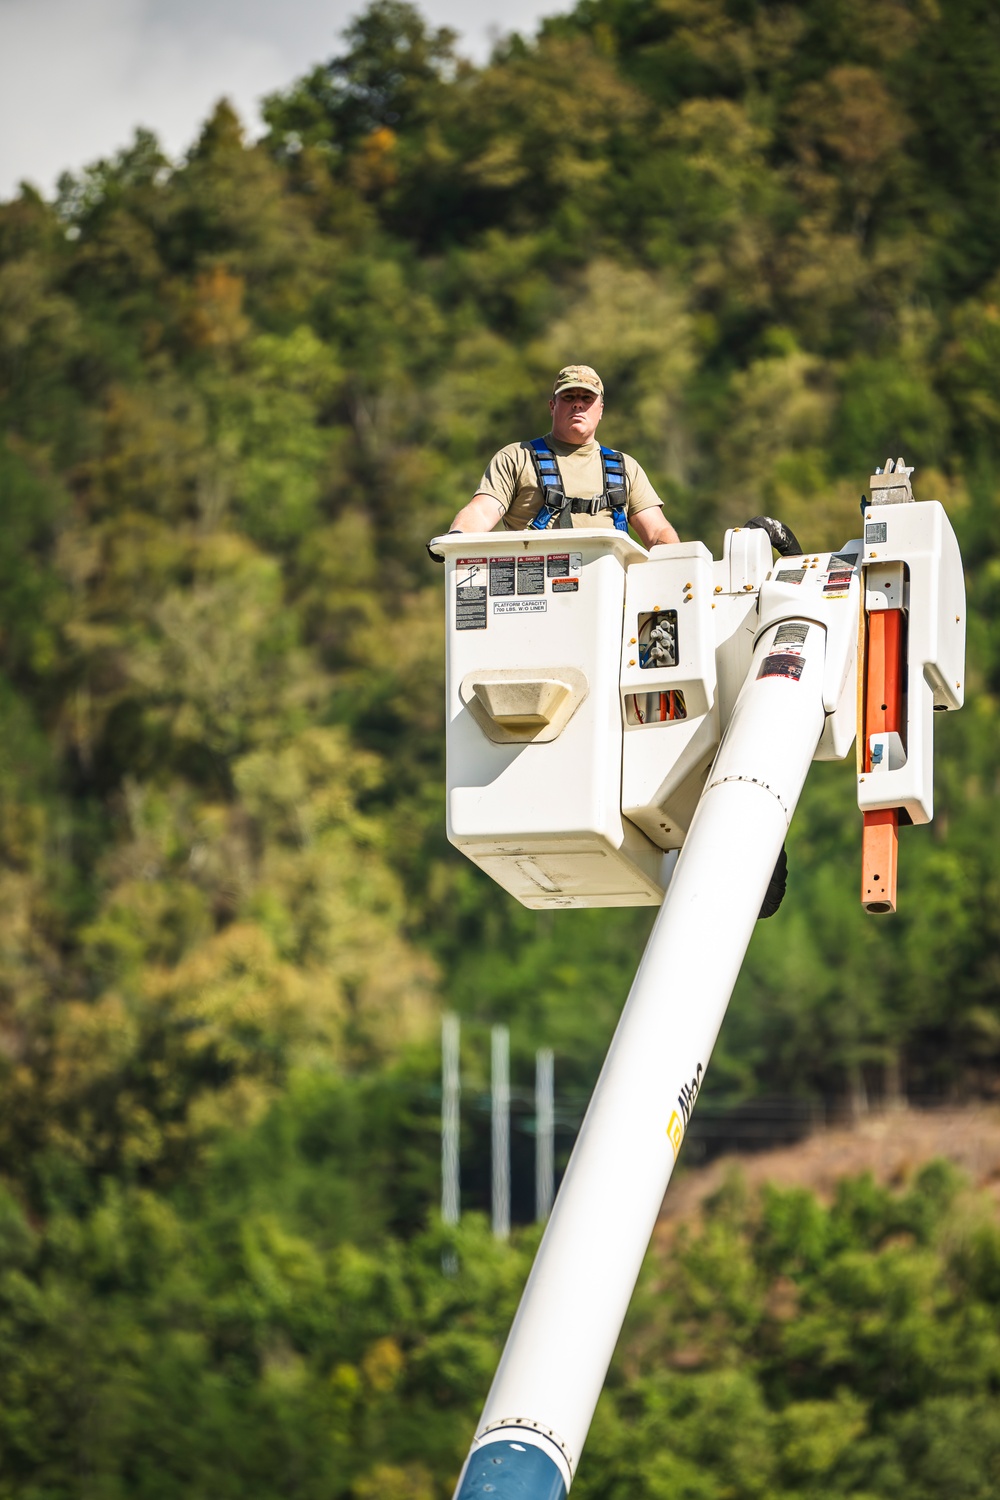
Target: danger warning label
(531,575)
(470,609)
(470,593)
(501,576)
(793,633)
(782,664)
(563,564)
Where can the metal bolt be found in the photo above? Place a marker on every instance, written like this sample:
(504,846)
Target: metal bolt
(718,588)
(631,640)
(632,662)
(688,597)
(687,585)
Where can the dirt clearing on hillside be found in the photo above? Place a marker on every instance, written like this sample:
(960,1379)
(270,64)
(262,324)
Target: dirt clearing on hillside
(891,1146)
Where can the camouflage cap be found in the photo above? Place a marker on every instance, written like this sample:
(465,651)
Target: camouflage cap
(578,377)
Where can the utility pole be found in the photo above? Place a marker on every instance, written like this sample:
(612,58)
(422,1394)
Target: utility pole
(500,1118)
(451,1088)
(544,1133)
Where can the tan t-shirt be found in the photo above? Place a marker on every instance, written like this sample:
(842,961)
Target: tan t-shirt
(511,479)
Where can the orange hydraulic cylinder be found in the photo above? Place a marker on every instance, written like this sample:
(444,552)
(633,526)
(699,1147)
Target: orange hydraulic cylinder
(883,713)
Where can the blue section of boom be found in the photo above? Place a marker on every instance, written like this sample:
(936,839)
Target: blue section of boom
(508,1470)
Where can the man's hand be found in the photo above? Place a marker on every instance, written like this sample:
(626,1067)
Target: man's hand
(438,557)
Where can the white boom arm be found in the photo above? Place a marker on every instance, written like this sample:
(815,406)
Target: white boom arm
(575,1302)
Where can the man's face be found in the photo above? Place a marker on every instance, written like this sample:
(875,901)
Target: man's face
(575,415)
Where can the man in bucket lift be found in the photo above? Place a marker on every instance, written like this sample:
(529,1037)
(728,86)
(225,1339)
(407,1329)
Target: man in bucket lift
(567,478)
(542,483)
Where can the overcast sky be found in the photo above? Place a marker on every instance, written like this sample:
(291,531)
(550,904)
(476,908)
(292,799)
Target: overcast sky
(78,76)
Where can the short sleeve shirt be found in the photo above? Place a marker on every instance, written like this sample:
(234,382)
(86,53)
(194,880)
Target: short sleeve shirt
(512,481)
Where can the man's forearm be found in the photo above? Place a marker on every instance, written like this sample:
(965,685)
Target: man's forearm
(481,514)
(652,527)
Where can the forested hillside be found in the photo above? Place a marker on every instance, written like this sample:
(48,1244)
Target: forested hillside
(237,393)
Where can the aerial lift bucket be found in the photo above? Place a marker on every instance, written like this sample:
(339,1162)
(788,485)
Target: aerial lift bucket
(703,691)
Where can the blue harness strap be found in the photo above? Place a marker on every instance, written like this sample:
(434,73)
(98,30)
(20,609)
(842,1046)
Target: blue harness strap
(555,501)
(614,486)
(550,481)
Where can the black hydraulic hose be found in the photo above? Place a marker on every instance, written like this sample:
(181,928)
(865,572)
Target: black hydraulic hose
(784,542)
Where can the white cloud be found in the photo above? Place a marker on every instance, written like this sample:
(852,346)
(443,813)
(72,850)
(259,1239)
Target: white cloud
(78,76)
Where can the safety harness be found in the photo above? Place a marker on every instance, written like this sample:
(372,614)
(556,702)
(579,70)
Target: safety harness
(556,502)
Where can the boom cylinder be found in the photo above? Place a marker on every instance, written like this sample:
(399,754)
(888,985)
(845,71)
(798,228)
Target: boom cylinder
(542,1400)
